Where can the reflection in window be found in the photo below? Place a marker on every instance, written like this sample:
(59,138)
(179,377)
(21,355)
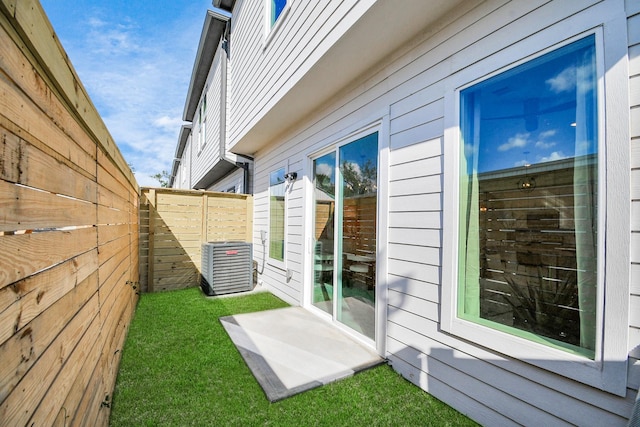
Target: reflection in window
(357,228)
(276,214)
(277,6)
(202,122)
(324,178)
(528,200)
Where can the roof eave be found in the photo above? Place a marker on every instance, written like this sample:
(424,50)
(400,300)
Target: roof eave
(185,130)
(212,31)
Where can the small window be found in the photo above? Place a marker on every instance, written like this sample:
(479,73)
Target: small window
(528,197)
(202,122)
(277,187)
(276,8)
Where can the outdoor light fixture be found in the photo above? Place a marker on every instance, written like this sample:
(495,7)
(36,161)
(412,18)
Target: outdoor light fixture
(527,184)
(291,176)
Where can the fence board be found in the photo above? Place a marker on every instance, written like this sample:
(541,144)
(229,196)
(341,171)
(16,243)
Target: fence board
(23,113)
(55,396)
(30,209)
(29,345)
(22,163)
(66,294)
(26,299)
(25,254)
(112,216)
(175,223)
(35,86)
(84,389)
(37,380)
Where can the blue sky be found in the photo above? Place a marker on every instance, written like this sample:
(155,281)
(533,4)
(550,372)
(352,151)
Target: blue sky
(531,113)
(135,59)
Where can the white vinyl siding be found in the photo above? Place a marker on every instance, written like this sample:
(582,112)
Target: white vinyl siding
(633,27)
(183,175)
(272,274)
(203,159)
(234,179)
(261,75)
(411,87)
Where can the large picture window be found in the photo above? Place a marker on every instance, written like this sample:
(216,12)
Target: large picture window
(528,198)
(277,189)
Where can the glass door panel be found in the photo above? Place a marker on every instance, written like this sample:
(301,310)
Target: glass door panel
(357,209)
(324,179)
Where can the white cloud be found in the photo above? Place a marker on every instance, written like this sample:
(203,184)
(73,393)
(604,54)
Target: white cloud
(542,142)
(518,141)
(168,123)
(355,167)
(544,145)
(563,81)
(324,169)
(137,75)
(547,134)
(556,155)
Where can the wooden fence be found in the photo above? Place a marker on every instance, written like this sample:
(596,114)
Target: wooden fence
(175,223)
(68,235)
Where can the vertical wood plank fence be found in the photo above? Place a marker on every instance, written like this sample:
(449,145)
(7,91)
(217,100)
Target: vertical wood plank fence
(175,223)
(68,235)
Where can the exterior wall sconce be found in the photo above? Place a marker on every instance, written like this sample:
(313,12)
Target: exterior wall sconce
(291,176)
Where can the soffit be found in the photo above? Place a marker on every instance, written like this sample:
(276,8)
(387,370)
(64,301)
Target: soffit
(383,29)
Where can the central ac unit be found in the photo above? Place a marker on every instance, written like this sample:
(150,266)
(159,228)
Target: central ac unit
(227,267)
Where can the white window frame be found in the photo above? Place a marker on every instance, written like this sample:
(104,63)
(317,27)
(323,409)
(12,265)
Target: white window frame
(608,371)
(376,122)
(272,28)
(281,264)
(202,124)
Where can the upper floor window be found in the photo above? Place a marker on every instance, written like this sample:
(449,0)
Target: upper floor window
(202,122)
(275,10)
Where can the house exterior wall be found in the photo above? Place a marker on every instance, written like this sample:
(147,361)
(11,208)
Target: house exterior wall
(408,93)
(235,180)
(183,174)
(203,158)
(633,31)
(265,65)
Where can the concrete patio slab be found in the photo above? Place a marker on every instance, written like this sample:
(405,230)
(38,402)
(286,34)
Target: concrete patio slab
(290,350)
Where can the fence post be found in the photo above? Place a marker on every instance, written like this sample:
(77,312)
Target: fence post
(205,218)
(249,212)
(152,212)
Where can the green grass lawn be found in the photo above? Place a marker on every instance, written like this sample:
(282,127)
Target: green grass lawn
(179,368)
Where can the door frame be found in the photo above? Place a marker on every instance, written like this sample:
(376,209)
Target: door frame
(330,143)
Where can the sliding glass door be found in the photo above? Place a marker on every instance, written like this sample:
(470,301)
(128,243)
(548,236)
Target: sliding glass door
(324,178)
(345,223)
